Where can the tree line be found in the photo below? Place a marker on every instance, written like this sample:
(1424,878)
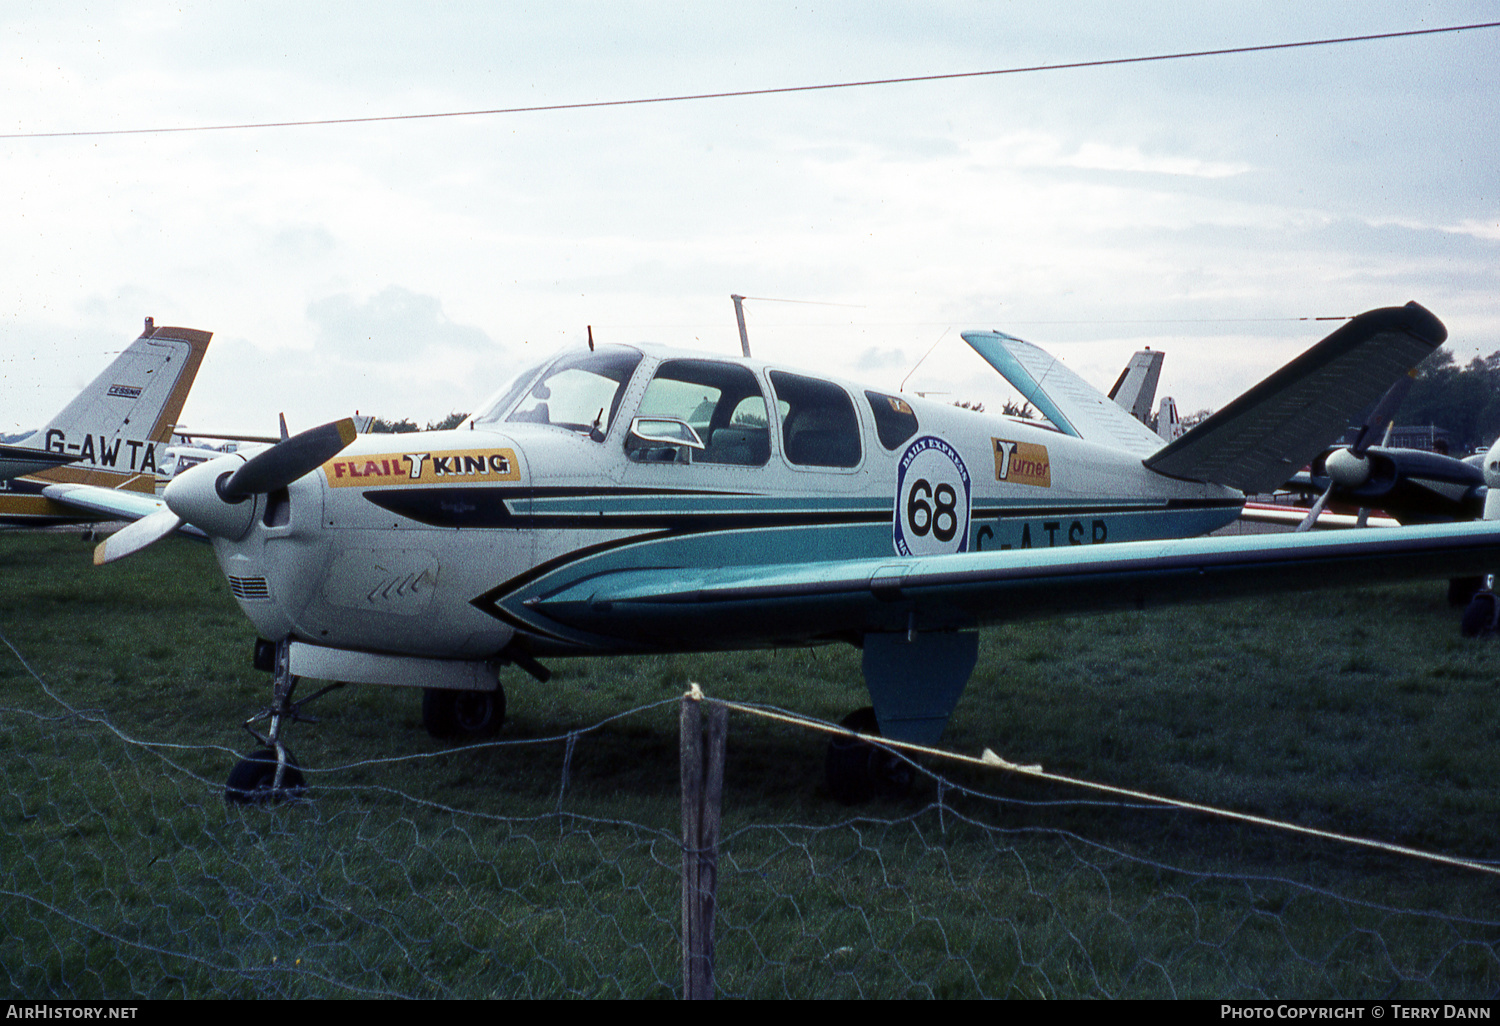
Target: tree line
(1464,401)
(381,426)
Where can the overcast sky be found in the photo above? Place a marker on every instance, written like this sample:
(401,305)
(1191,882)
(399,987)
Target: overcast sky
(407,268)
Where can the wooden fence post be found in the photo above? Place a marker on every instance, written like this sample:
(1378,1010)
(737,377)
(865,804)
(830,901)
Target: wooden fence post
(702,750)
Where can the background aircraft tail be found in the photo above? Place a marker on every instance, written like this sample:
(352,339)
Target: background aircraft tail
(1168,424)
(1135,388)
(119,425)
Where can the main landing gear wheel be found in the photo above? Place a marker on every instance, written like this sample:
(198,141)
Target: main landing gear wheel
(859,771)
(1480,616)
(466,715)
(253,780)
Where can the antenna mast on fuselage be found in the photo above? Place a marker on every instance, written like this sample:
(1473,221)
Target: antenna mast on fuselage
(739,315)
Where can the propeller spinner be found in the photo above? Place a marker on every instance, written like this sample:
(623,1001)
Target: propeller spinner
(1350,468)
(211,496)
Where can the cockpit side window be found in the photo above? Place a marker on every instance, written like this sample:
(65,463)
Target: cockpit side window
(579,392)
(818,424)
(722,402)
(894,420)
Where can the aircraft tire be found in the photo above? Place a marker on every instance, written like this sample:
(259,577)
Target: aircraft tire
(858,771)
(1480,616)
(251,780)
(466,715)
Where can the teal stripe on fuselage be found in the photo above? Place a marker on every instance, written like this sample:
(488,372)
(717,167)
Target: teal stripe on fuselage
(679,532)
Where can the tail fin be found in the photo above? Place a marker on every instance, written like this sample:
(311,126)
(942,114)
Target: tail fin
(1136,387)
(1168,424)
(113,429)
(1072,405)
(1262,438)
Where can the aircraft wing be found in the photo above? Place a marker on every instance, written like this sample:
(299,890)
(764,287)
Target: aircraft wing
(113,503)
(16,460)
(1072,405)
(748,606)
(1262,438)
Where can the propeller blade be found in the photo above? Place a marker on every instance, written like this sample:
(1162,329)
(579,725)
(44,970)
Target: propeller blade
(134,537)
(1315,512)
(1383,416)
(286,461)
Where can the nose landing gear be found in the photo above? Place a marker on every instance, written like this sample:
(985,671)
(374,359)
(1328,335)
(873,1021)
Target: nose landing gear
(272,774)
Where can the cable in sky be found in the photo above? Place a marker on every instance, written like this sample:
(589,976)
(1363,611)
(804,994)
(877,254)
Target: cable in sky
(765,92)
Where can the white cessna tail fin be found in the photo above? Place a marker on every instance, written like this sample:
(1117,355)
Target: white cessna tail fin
(1072,405)
(114,431)
(1258,441)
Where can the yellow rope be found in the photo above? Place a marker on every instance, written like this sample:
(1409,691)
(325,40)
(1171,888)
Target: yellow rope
(989,759)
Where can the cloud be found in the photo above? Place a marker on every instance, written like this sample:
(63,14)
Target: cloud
(1095,156)
(392,325)
(875,358)
(1489,230)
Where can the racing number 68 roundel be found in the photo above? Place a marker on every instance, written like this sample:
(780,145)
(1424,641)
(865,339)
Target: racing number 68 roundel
(932,500)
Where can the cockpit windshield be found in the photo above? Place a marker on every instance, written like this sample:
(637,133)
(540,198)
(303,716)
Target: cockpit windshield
(497,407)
(577,391)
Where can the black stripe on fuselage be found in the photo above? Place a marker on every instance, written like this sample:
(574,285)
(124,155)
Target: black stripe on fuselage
(1079,509)
(489,601)
(470,507)
(491,507)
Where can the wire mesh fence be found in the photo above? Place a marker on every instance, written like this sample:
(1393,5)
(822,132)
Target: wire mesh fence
(123,872)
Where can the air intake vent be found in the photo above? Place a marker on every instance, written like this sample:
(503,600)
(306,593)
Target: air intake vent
(251,589)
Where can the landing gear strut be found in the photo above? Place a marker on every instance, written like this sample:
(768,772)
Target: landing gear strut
(271,774)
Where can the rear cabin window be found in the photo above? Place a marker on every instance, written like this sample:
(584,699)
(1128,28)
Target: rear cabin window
(723,403)
(894,420)
(818,424)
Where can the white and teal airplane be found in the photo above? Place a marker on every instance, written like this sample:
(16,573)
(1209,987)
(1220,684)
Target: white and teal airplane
(626,499)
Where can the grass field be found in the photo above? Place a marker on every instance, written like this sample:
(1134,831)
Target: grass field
(547,864)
